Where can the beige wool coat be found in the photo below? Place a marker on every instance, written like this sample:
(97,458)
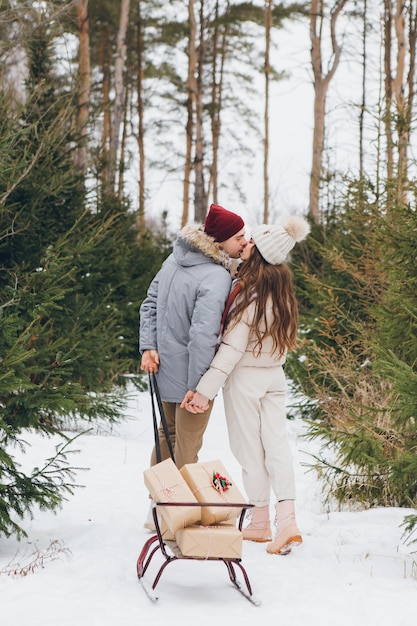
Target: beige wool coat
(237,348)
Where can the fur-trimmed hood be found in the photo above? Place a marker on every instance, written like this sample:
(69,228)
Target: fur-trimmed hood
(192,241)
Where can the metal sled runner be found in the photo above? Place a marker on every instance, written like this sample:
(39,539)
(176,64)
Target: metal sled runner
(171,552)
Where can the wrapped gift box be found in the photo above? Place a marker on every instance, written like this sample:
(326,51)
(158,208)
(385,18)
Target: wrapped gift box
(167,535)
(205,542)
(165,484)
(199,477)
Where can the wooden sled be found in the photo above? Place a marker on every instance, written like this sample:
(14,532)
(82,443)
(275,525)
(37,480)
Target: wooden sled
(171,552)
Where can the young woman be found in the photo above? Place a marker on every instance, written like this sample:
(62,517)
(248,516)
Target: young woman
(260,329)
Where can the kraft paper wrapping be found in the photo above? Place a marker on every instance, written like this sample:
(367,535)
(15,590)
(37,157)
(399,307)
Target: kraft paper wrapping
(199,477)
(210,542)
(165,484)
(165,532)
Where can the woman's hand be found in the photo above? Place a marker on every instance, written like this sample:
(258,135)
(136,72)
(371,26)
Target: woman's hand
(194,402)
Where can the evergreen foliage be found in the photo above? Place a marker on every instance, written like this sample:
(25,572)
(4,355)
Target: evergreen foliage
(45,487)
(356,363)
(71,282)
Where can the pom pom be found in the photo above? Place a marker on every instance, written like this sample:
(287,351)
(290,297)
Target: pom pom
(297,227)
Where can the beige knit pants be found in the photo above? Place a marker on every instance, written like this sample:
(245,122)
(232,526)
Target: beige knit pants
(254,401)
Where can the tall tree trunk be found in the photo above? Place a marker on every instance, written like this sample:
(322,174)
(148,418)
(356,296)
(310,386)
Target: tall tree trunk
(84,84)
(400,99)
(363,102)
(399,90)
(122,160)
(219,47)
(191,94)
(141,127)
(214,107)
(388,87)
(318,146)
(200,197)
(404,88)
(104,61)
(412,64)
(268,25)
(119,90)
(321,85)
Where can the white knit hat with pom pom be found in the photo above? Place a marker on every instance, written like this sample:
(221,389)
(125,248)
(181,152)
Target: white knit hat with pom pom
(275,242)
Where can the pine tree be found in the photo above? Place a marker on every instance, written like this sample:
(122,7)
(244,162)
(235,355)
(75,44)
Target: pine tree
(358,362)
(50,323)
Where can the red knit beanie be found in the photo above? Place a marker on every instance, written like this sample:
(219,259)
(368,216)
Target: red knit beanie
(222,224)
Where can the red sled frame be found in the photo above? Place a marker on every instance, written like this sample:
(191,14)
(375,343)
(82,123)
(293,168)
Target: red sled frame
(150,549)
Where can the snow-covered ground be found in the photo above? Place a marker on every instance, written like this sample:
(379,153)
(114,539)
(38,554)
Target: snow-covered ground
(353,568)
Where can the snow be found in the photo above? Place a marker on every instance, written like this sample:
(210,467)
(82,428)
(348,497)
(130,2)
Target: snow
(353,568)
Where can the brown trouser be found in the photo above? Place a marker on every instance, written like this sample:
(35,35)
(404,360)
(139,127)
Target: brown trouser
(186,432)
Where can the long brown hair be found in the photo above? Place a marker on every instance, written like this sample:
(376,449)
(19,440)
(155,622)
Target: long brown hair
(260,281)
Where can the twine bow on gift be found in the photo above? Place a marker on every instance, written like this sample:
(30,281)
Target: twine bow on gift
(168,492)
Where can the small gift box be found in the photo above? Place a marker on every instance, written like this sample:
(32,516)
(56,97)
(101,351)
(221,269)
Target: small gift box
(165,484)
(210,482)
(206,542)
(167,535)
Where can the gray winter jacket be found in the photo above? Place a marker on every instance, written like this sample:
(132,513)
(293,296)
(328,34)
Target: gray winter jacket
(181,315)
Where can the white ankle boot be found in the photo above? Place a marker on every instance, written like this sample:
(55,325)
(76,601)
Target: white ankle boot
(288,534)
(259,528)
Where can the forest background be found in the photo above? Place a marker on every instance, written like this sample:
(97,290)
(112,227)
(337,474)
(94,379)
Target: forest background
(105,104)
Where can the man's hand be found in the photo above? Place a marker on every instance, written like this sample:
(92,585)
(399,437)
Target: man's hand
(150,361)
(194,402)
(187,398)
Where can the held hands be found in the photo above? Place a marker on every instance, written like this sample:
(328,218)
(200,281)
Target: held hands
(150,361)
(194,402)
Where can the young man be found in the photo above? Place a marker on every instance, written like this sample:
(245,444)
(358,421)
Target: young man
(180,322)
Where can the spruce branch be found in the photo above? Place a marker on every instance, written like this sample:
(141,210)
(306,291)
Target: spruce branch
(45,487)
